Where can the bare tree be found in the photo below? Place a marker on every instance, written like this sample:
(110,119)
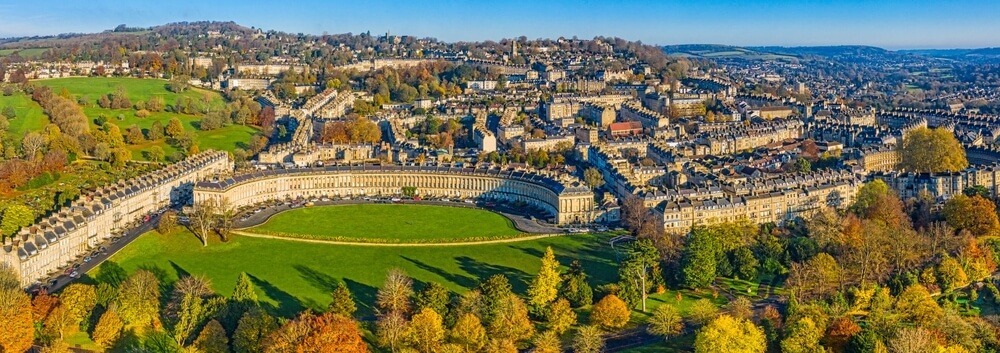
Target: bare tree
(203,219)
(224,218)
(32,143)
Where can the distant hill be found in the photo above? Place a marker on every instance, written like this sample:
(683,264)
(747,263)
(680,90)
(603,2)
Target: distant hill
(717,51)
(958,54)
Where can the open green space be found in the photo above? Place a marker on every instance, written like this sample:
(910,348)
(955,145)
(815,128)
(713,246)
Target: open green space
(90,89)
(28,53)
(389,223)
(29,115)
(291,276)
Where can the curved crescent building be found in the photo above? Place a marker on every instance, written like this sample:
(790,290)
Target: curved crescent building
(565,200)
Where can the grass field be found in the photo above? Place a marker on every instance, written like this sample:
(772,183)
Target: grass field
(92,88)
(292,276)
(29,114)
(29,53)
(397,223)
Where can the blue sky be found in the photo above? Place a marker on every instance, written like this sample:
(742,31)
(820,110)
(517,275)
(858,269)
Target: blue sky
(887,23)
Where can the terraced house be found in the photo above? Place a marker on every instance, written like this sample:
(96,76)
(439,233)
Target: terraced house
(41,249)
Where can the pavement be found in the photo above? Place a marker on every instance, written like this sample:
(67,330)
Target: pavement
(521,221)
(111,248)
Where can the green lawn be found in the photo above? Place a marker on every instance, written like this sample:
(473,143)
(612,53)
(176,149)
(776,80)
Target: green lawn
(91,89)
(292,276)
(29,53)
(389,223)
(29,114)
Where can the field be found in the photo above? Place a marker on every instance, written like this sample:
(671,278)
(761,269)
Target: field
(29,53)
(292,276)
(29,114)
(92,88)
(398,223)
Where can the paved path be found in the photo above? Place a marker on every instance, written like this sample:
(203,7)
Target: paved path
(358,243)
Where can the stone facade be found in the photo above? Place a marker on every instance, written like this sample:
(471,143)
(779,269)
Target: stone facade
(40,250)
(566,200)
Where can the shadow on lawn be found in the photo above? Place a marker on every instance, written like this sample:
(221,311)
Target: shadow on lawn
(288,305)
(518,279)
(595,257)
(364,298)
(463,281)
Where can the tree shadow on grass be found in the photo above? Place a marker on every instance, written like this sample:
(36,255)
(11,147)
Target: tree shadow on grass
(364,298)
(180,271)
(288,305)
(463,281)
(321,281)
(518,279)
(595,257)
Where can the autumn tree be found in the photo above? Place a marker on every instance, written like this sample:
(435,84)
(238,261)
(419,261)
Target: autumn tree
(932,150)
(17,331)
(818,277)
(138,300)
(13,218)
(593,177)
(332,333)
(434,296)
(547,342)
(79,299)
(174,128)
(343,301)
(109,327)
(212,339)
(726,334)
(803,337)
(610,313)
(395,294)
(390,330)
(975,214)
(950,274)
(544,288)
(469,333)
(588,339)
(204,218)
(917,306)
(509,320)
(560,316)
(840,331)
(426,331)
(702,312)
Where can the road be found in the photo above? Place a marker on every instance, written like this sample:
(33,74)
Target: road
(112,248)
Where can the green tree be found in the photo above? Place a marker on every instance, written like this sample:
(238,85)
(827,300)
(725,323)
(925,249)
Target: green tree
(343,301)
(544,288)
(243,298)
(434,296)
(252,329)
(745,264)
(156,154)
(698,260)
(575,287)
(593,177)
(640,273)
(726,334)
(801,165)
(14,217)
(666,321)
(702,311)
(932,150)
(495,291)
(155,131)
(79,299)
(868,195)
(950,274)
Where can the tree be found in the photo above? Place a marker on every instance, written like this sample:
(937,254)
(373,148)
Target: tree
(593,178)
(560,316)
(343,301)
(820,276)
(726,334)
(588,339)
(575,287)
(16,328)
(14,217)
(174,128)
(243,298)
(79,299)
(932,150)
(212,339)
(950,274)
(190,306)
(390,330)
(203,218)
(138,300)
(434,296)
(394,296)
(510,321)
(867,341)
(666,321)
(840,331)
(547,342)
(330,333)
(9,113)
(108,329)
(702,311)
(801,165)
(640,273)
(698,260)
(917,306)
(252,329)
(740,308)
(544,288)
(633,214)
(32,144)
(745,264)
(155,131)
(803,337)
(975,214)
(426,331)
(469,333)
(610,313)
(495,290)
(912,340)
(156,154)
(868,194)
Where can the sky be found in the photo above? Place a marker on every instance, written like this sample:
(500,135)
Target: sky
(890,24)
